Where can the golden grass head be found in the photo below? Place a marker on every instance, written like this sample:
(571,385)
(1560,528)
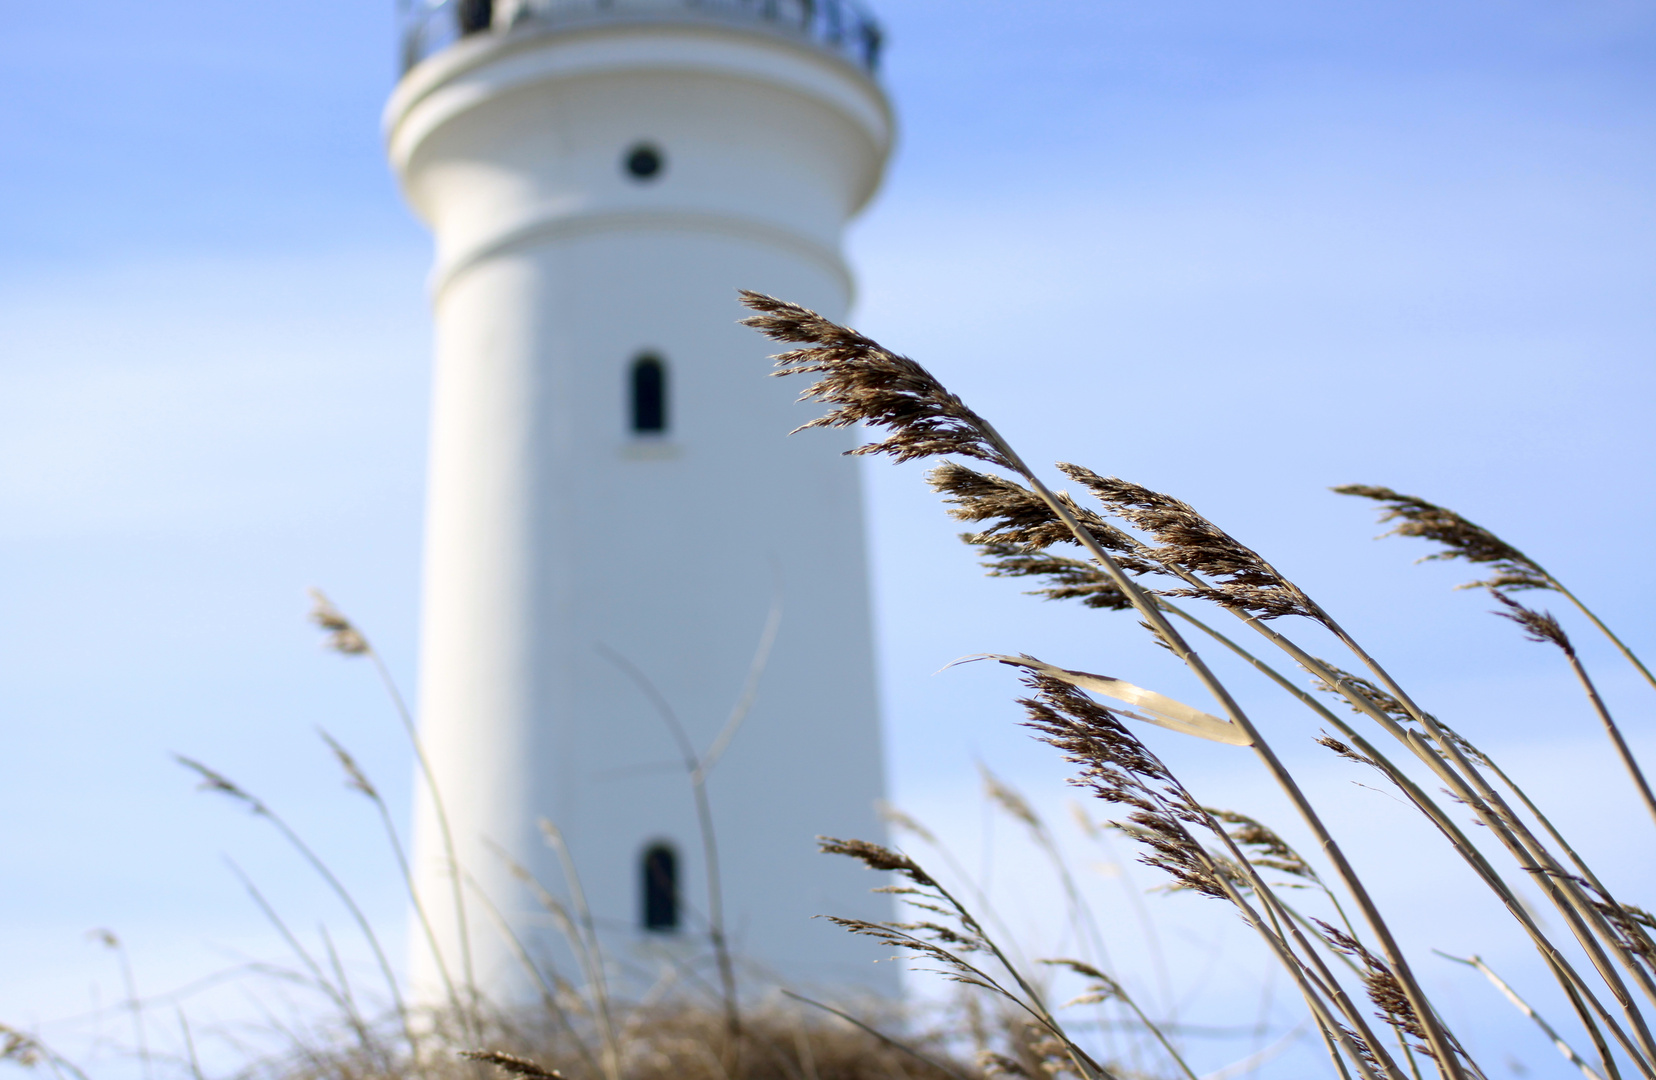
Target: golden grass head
(1241,577)
(869,384)
(355,778)
(343,636)
(1461,539)
(875,857)
(19,1048)
(212,780)
(512,1065)
(1539,626)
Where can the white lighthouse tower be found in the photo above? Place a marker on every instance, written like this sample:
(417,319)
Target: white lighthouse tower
(615,515)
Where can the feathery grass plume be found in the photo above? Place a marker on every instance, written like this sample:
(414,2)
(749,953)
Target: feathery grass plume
(1514,571)
(1185,539)
(1630,924)
(1542,627)
(867,383)
(1461,539)
(1068,579)
(1382,986)
(1018,516)
(21,1048)
(1102,988)
(512,1065)
(1015,805)
(1266,848)
(343,637)
(1116,767)
(355,778)
(1539,626)
(897,818)
(1345,751)
(876,857)
(994,1063)
(949,945)
(212,780)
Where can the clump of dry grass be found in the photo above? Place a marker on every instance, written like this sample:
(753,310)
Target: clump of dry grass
(665,1040)
(1150,552)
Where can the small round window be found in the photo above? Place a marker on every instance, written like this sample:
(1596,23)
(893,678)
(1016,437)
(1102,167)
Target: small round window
(644,162)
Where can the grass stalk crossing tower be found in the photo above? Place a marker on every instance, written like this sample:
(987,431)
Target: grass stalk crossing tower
(617,527)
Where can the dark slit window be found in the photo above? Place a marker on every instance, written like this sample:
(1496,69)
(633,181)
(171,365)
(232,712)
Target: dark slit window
(475,15)
(661,894)
(649,395)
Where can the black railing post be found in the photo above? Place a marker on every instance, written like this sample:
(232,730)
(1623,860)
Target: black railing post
(428,26)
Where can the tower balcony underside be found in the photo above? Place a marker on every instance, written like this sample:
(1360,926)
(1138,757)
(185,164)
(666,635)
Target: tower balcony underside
(841,28)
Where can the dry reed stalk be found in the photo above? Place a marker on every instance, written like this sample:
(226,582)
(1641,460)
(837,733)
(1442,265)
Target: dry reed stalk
(347,639)
(357,780)
(134,1003)
(1082,922)
(216,782)
(697,771)
(698,765)
(552,989)
(597,981)
(347,1008)
(1523,1006)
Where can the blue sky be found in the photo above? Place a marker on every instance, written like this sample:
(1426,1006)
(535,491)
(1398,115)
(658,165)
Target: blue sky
(1239,253)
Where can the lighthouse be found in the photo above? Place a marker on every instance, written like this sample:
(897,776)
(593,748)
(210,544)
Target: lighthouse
(630,571)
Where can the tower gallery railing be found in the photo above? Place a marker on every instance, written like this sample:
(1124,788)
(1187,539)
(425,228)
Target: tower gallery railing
(840,26)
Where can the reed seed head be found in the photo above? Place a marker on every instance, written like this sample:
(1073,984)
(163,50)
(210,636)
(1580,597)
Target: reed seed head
(1345,751)
(512,1065)
(1379,982)
(1539,626)
(868,384)
(1116,767)
(1068,579)
(343,637)
(1461,539)
(211,780)
(997,1064)
(355,778)
(19,1048)
(1268,849)
(875,857)
(1015,805)
(898,819)
(1014,515)
(1243,580)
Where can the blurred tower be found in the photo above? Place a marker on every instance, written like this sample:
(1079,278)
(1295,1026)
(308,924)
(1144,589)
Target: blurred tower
(614,512)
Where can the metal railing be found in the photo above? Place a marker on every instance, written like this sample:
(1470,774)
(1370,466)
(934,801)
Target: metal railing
(842,27)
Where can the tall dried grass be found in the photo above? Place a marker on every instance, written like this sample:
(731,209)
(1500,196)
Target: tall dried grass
(1155,555)
(1118,547)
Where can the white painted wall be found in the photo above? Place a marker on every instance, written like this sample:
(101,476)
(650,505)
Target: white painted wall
(553,531)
